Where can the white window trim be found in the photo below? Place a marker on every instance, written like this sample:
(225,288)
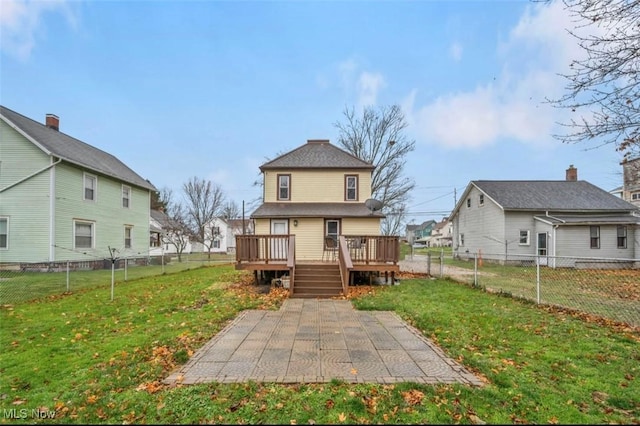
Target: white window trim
(481,200)
(84,187)
(128,197)
(7,219)
(130,236)
(280,186)
(526,243)
(93,233)
(355,187)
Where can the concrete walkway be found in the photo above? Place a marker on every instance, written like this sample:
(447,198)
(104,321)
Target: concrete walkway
(317,340)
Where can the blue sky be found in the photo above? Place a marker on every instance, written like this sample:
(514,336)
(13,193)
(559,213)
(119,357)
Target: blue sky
(213,89)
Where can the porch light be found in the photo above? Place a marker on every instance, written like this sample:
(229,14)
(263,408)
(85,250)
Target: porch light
(295,222)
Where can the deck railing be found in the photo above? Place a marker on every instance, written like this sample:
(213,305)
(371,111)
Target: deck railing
(344,261)
(272,248)
(269,248)
(373,249)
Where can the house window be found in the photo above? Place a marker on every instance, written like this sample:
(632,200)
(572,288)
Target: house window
(332,229)
(90,182)
(524,237)
(216,244)
(481,200)
(83,234)
(622,237)
(284,187)
(468,202)
(635,196)
(461,240)
(4,233)
(127,236)
(126,196)
(595,236)
(351,188)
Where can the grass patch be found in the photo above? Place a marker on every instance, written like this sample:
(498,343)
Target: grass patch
(91,360)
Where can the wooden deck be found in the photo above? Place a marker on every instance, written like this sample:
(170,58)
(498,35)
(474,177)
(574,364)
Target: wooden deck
(354,253)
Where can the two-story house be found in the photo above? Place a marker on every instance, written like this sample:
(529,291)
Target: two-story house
(63,199)
(317,212)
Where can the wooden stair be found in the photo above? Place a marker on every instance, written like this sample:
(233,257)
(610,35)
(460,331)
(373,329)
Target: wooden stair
(317,280)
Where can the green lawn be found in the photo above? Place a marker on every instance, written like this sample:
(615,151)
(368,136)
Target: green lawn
(88,359)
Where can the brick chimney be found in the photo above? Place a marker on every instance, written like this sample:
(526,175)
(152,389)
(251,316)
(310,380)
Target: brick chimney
(572,173)
(53,121)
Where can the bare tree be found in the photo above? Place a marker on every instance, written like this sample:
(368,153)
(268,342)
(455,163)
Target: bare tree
(378,137)
(204,202)
(603,90)
(230,210)
(176,231)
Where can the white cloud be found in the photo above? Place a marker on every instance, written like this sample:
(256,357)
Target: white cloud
(368,86)
(20,23)
(455,51)
(511,106)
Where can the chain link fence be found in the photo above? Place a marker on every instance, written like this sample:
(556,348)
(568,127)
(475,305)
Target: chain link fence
(603,287)
(26,281)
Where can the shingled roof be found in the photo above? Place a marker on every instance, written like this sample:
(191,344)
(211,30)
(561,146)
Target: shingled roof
(69,149)
(555,195)
(327,210)
(317,154)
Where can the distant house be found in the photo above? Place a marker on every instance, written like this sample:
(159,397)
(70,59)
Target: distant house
(167,237)
(420,233)
(441,234)
(630,189)
(501,220)
(217,235)
(63,199)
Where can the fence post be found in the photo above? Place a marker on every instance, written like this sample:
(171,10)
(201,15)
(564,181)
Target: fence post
(67,276)
(113,271)
(538,279)
(126,261)
(429,263)
(475,269)
(442,264)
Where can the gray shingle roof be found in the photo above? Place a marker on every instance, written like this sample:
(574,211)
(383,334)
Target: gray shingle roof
(559,195)
(316,154)
(329,210)
(73,150)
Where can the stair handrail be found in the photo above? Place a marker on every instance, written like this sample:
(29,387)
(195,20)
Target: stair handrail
(345,262)
(291,262)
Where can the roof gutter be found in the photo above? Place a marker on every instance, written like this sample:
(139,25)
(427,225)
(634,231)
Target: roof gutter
(44,169)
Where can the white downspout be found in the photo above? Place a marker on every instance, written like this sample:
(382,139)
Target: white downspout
(52,211)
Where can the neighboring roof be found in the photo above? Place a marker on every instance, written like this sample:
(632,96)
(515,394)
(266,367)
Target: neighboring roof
(556,195)
(317,154)
(422,226)
(72,150)
(335,210)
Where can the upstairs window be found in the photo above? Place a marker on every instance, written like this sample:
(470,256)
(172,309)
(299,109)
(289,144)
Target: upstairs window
(284,187)
(524,237)
(351,188)
(622,237)
(128,230)
(635,196)
(468,202)
(126,196)
(594,232)
(481,200)
(90,184)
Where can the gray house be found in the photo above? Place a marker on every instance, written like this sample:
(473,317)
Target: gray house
(63,199)
(505,220)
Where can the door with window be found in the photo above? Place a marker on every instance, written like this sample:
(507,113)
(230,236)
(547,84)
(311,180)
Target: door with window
(278,247)
(542,250)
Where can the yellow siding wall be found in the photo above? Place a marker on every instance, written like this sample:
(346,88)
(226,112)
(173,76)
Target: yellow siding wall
(360,226)
(321,186)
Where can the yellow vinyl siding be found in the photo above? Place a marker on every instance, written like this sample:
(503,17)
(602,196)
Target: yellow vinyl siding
(360,226)
(316,186)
